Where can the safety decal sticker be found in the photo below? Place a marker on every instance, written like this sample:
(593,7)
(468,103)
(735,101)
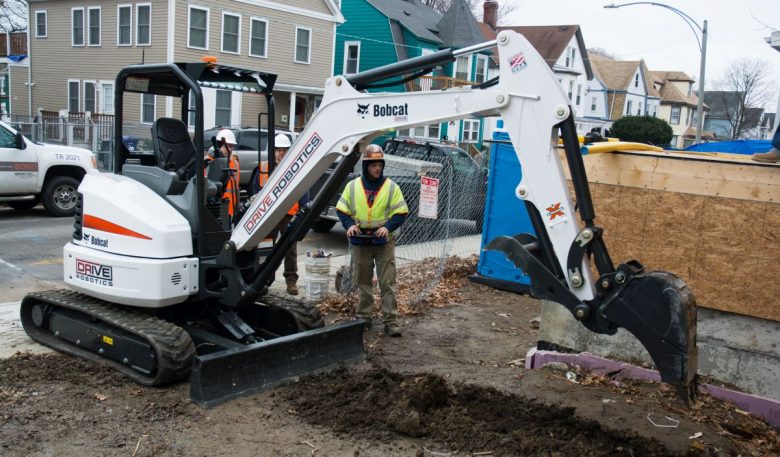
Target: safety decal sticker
(518,62)
(555,213)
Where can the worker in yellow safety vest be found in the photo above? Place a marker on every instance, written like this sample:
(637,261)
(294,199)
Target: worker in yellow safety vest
(371,208)
(281,146)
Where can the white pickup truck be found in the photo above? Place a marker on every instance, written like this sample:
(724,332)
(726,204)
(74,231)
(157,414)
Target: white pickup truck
(31,173)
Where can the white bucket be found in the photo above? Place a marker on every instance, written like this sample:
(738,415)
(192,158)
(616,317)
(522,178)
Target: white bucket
(317,277)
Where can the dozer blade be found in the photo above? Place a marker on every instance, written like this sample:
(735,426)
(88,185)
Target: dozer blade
(222,376)
(659,309)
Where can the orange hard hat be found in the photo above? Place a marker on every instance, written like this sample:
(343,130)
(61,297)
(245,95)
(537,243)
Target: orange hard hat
(373,152)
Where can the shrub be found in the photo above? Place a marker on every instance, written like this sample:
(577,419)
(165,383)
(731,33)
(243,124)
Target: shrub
(642,129)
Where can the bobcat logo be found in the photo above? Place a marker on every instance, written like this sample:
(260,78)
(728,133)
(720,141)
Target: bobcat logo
(363,110)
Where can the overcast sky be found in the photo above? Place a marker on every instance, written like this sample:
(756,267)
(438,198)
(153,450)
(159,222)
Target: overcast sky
(736,28)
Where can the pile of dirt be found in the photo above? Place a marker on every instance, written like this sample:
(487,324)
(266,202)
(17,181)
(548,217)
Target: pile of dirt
(417,288)
(454,418)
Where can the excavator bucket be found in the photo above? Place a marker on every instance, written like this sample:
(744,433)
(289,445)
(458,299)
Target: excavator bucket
(659,309)
(656,307)
(230,373)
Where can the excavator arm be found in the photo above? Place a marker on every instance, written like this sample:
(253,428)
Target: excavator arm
(656,307)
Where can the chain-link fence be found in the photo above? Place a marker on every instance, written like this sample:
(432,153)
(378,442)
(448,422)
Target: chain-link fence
(445,190)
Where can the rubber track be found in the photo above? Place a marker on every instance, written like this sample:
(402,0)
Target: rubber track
(172,345)
(306,315)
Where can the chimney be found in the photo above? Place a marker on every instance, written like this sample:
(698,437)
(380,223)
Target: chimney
(490,13)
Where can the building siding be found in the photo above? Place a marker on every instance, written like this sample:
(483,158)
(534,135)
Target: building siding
(90,63)
(280,45)
(373,30)
(18,93)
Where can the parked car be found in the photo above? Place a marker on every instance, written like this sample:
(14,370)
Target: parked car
(246,149)
(456,170)
(463,182)
(31,173)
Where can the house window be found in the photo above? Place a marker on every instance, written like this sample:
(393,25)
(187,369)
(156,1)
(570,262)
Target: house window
(41,24)
(222,113)
(462,68)
(629,105)
(593,104)
(258,40)
(571,53)
(124,25)
(688,116)
(302,45)
(198,30)
(77,25)
(433,131)
(89,96)
(639,110)
(571,90)
(231,31)
(636,80)
(107,98)
(470,130)
(147,108)
(73,96)
(2,85)
(143,20)
(579,94)
(351,57)
(94,25)
(481,72)
(675,119)
(191,111)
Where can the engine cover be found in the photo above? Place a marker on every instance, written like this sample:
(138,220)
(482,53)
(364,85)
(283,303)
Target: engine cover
(134,281)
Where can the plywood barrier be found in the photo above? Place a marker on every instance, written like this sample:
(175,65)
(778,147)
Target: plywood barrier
(713,220)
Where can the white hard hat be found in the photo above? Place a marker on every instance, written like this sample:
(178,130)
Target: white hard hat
(227,136)
(282,141)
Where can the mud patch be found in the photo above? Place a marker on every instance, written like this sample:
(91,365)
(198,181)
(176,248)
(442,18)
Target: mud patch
(377,404)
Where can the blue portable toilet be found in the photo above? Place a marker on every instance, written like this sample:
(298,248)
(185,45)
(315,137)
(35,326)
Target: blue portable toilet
(505,214)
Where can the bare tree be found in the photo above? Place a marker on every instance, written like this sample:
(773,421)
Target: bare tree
(504,8)
(742,92)
(601,52)
(13,16)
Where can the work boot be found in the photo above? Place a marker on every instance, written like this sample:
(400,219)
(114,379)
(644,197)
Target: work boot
(393,329)
(772,156)
(292,289)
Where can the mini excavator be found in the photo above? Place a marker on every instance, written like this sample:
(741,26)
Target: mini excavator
(165,284)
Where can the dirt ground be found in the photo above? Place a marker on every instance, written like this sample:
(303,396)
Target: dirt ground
(453,385)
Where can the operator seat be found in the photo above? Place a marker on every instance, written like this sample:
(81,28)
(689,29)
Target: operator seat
(172,144)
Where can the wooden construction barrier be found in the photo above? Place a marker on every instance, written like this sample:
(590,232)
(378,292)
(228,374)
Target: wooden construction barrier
(713,219)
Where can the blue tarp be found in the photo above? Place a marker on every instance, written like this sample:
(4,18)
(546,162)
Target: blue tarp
(734,147)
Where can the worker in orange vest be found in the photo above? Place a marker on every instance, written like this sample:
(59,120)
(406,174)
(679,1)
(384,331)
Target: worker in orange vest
(281,146)
(226,141)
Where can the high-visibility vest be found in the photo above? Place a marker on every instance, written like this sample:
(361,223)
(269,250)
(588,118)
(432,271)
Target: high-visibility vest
(232,183)
(262,179)
(388,202)
(231,188)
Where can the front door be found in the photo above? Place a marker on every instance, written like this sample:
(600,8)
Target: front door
(18,167)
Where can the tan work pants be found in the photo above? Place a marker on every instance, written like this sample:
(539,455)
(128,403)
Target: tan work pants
(364,257)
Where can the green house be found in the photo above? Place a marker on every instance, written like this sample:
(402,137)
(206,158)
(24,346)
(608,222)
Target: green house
(381,32)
